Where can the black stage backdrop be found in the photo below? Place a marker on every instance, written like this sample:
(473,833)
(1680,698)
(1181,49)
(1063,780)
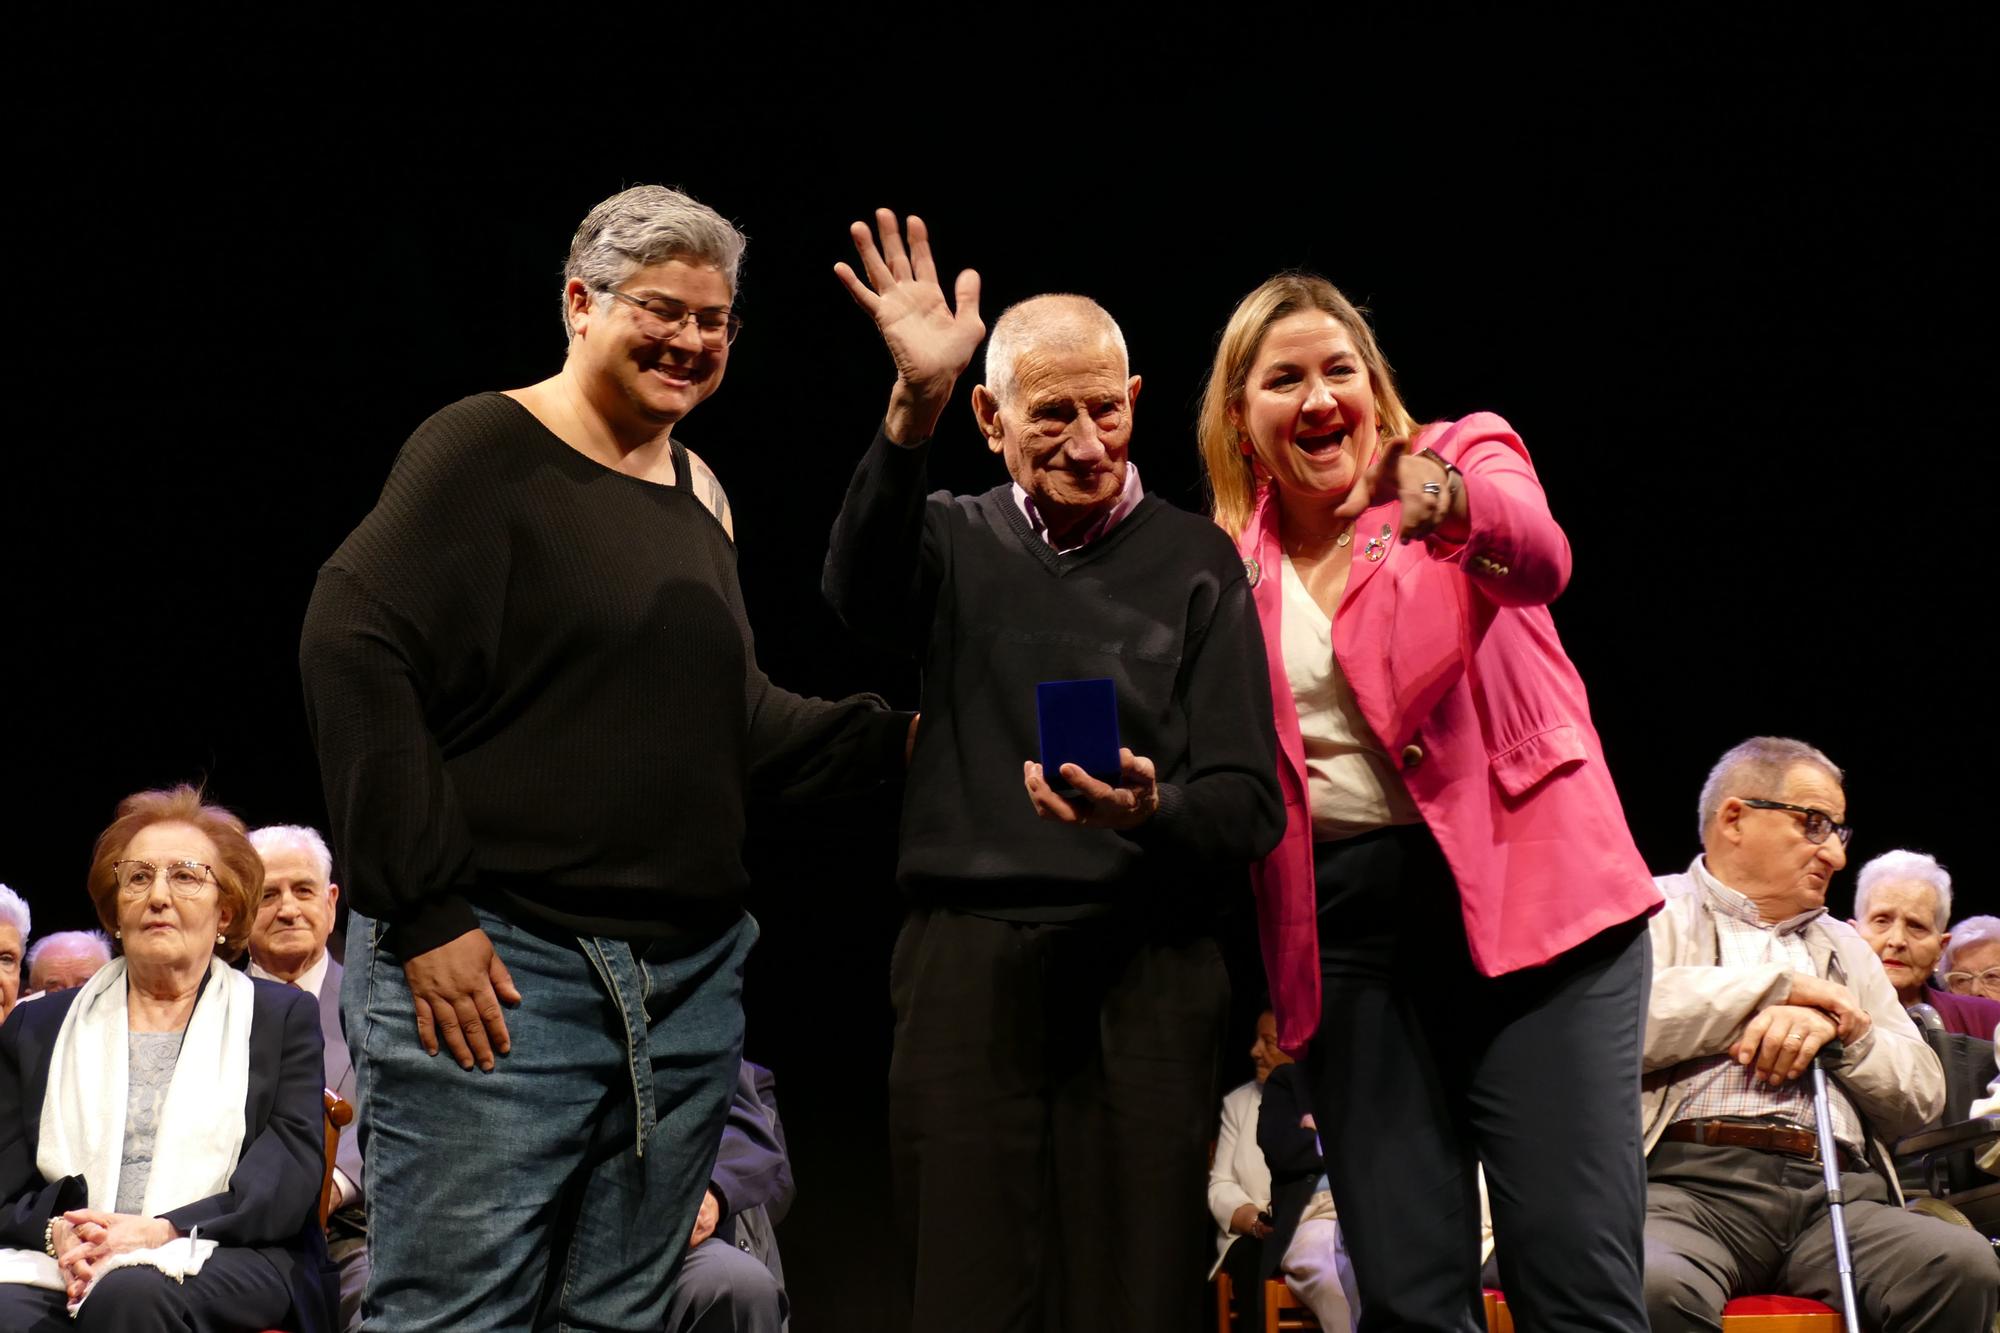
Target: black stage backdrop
(1730,286)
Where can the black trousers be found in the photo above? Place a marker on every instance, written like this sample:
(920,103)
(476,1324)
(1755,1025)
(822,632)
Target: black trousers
(1424,1069)
(236,1291)
(1051,1097)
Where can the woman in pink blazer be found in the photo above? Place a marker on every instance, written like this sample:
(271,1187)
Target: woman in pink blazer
(1454,923)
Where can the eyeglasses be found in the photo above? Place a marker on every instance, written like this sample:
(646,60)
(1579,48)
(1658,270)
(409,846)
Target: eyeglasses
(186,878)
(1970,983)
(1818,822)
(663,317)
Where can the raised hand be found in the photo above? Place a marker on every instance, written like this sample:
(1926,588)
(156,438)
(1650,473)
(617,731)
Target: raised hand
(1397,474)
(931,342)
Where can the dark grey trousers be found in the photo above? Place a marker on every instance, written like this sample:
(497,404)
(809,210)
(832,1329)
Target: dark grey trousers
(1423,1069)
(1723,1222)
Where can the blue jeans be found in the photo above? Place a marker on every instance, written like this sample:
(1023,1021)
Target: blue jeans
(557,1191)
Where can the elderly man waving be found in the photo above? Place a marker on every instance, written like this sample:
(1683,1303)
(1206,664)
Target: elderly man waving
(1058,994)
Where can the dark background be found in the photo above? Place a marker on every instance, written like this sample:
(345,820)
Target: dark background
(1730,282)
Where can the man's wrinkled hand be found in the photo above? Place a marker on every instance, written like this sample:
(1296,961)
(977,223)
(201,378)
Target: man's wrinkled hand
(1782,1040)
(1097,804)
(1838,1001)
(931,342)
(457,989)
(705,1219)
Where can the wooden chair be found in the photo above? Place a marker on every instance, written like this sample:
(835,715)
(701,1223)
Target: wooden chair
(339,1115)
(1282,1310)
(1745,1314)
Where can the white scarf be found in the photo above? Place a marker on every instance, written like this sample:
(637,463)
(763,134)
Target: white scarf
(201,1117)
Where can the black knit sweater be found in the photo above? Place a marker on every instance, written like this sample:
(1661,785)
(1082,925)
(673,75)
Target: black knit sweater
(1159,605)
(531,681)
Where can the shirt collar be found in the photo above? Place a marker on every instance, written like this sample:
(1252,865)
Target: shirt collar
(310,980)
(1733,904)
(1128,500)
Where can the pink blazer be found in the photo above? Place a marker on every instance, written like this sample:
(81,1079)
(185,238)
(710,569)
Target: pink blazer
(1454,659)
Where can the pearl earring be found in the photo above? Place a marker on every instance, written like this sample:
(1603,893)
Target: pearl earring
(221,938)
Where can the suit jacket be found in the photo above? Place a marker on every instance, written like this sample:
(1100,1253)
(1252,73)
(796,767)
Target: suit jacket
(752,1177)
(272,1201)
(1238,1174)
(340,1078)
(1292,1153)
(1454,660)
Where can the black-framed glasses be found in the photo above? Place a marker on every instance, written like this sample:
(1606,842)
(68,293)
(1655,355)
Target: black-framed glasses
(186,879)
(664,318)
(1818,822)
(1972,983)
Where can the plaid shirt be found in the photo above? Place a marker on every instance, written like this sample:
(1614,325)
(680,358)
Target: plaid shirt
(1718,1087)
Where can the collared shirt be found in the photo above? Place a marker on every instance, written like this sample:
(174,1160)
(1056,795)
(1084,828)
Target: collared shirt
(309,981)
(1128,500)
(1718,1087)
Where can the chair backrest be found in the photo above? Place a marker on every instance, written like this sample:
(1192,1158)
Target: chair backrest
(1968,1068)
(339,1115)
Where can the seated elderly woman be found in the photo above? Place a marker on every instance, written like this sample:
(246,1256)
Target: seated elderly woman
(1971,962)
(1902,903)
(161,1126)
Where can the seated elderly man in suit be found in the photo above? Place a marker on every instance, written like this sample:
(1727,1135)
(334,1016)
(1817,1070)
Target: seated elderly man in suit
(732,1280)
(1266,1130)
(1751,978)
(1902,905)
(288,937)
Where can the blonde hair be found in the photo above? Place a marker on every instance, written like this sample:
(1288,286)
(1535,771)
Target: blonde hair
(1232,485)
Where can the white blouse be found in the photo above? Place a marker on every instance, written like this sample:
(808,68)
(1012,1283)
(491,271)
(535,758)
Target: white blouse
(1351,785)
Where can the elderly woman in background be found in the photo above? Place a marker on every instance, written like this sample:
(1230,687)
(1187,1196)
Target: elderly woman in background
(1457,906)
(1971,963)
(1902,904)
(161,1127)
(14,926)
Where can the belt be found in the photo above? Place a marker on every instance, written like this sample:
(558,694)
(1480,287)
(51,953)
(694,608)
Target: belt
(1786,1139)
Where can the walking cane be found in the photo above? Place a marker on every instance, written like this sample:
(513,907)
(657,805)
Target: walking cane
(1829,1165)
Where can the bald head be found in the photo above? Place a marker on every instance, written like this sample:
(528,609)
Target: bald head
(1041,325)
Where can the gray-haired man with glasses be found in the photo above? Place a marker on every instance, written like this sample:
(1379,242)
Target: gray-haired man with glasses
(1751,978)
(539,717)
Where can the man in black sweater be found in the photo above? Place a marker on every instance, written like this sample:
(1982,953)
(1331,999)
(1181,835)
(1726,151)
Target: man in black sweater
(538,713)
(1058,994)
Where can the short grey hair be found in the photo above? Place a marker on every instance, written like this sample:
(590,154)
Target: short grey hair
(90,939)
(1061,321)
(1760,762)
(1899,865)
(14,911)
(643,226)
(1973,930)
(272,837)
